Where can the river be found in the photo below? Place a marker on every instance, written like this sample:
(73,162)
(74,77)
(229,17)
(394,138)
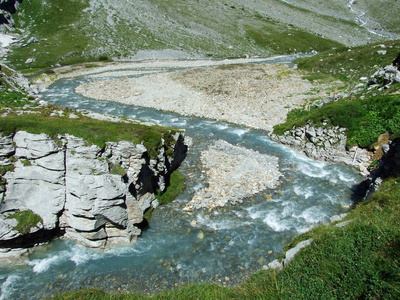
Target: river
(224,245)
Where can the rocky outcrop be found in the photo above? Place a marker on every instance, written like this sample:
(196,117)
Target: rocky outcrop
(8,7)
(386,76)
(388,166)
(16,81)
(65,186)
(324,143)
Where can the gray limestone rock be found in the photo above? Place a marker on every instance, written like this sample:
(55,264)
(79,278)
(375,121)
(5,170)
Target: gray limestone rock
(292,252)
(6,145)
(85,224)
(37,189)
(7,231)
(69,184)
(30,145)
(53,162)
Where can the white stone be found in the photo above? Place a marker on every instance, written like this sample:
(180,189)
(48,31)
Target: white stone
(276,264)
(292,252)
(6,145)
(33,145)
(7,231)
(83,224)
(55,162)
(106,186)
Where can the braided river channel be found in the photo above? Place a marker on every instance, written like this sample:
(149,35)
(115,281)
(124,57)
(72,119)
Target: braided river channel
(224,245)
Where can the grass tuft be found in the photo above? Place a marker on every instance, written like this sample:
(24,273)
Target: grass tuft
(93,131)
(175,186)
(26,220)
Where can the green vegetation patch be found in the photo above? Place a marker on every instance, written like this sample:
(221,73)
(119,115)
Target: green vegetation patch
(350,64)
(288,40)
(354,262)
(364,119)
(26,220)
(9,98)
(73,31)
(59,30)
(175,186)
(94,131)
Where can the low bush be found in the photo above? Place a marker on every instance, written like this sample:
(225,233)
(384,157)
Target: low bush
(175,186)
(26,220)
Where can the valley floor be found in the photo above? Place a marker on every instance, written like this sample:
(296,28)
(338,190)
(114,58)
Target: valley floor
(253,95)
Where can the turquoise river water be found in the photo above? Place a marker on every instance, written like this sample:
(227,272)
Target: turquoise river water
(223,246)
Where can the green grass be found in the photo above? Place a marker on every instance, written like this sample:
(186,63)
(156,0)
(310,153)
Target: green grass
(93,131)
(287,40)
(359,261)
(26,220)
(10,98)
(350,64)
(175,185)
(364,119)
(50,22)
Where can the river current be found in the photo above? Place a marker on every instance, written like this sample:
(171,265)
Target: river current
(225,245)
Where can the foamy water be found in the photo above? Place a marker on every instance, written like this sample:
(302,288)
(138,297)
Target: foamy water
(202,246)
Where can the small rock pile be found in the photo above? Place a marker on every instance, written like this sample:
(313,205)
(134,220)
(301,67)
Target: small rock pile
(232,174)
(388,167)
(324,143)
(386,76)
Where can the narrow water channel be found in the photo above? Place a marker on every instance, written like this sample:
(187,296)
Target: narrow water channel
(224,245)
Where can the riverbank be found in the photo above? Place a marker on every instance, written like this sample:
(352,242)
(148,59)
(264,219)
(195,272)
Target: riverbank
(254,95)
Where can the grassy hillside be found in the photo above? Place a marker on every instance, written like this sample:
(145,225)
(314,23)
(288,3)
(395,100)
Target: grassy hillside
(365,113)
(85,30)
(350,64)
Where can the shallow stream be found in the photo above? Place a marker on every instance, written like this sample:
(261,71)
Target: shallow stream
(224,245)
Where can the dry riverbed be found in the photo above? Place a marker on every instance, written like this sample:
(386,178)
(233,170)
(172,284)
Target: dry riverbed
(253,95)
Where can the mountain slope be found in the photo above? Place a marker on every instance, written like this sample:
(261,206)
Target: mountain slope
(70,31)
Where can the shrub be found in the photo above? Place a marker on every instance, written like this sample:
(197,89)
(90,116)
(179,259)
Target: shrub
(175,186)
(26,220)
